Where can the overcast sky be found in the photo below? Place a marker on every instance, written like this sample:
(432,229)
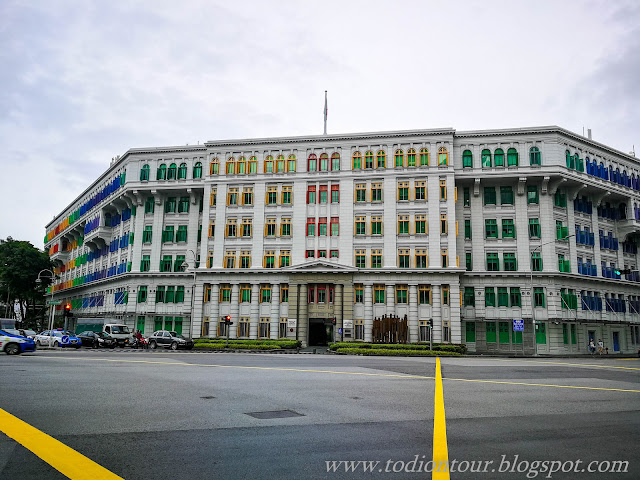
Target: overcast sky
(83,81)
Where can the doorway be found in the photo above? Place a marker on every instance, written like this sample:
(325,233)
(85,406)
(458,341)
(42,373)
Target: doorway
(616,341)
(320,332)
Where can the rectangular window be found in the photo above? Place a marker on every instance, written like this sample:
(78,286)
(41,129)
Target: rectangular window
(376,192)
(536,262)
(538,297)
(503,332)
(468,261)
(515,297)
(311,227)
(361,258)
(403,258)
(181,235)
(213,197)
(403,224)
(142,294)
(245,259)
(229,259)
(469,297)
(489,297)
(445,294)
(265,293)
(241,166)
(379,293)
(245,293)
(168,234)
(183,206)
(170,205)
(491,228)
(420,191)
(263,328)
(269,260)
(443,189)
(232,196)
(444,256)
(165,263)
(421,258)
(466,197)
(271,195)
(284,293)
(489,195)
(270,227)
(225,293)
(147,234)
(493,263)
(402,294)
(322,227)
(285,258)
(335,193)
(243,327)
(503,297)
(532,195)
(309,254)
(491,332)
(149,205)
(358,292)
(443,224)
(361,192)
(311,194)
(247,227)
(335,226)
(212,229)
(534,228)
(506,196)
(359,329)
(324,196)
(467,229)
(333,253)
(508,228)
(376,225)
(424,294)
(285,227)
(247,196)
(169,296)
(282,328)
(287,192)
(178,264)
(160,294)
(403,191)
(231,227)
(376,258)
(470,328)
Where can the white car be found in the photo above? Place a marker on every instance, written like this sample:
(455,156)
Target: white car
(58,339)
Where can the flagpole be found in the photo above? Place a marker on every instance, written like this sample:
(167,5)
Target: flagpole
(325,112)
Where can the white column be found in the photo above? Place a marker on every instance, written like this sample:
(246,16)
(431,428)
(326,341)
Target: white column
(368,313)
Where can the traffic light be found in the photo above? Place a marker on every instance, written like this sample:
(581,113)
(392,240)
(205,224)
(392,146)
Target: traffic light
(227,320)
(67,310)
(333,320)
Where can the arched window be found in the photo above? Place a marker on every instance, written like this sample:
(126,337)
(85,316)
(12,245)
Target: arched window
(335,161)
(312,163)
(144,173)
(411,157)
(381,159)
(603,171)
(368,159)
(214,166)
(486,158)
(467,159)
(171,173)
(498,157)
(324,162)
(399,159)
(161,173)
(569,159)
(280,165)
(241,166)
(512,157)
(253,165)
(182,171)
(291,163)
(618,178)
(356,159)
(443,156)
(230,166)
(424,157)
(534,156)
(268,164)
(197,170)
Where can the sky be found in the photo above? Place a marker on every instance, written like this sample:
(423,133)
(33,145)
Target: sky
(82,81)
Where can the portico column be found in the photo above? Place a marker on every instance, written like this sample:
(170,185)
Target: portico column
(337,311)
(302,314)
(275,307)
(235,310)
(215,308)
(368,313)
(436,331)
(390,300)
(413,314)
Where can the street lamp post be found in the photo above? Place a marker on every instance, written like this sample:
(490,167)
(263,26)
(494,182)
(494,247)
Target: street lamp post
(533,309)
(185,266)
(38,281)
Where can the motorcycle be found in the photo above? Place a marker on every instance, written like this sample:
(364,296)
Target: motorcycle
(139,343)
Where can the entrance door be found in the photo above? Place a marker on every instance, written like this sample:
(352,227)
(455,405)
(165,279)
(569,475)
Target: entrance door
(320,332)
(616,341)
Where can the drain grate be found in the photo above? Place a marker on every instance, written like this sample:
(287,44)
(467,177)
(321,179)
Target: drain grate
(208,397)
(275,414)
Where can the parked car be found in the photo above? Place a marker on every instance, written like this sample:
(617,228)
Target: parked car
(96,339)
(13,344)
(119,332)
(28,333)
(166,339)
(58,338)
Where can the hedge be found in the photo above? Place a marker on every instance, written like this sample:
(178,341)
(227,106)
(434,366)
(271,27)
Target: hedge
(395,352)
(222,346)
(266,343)
(382,346)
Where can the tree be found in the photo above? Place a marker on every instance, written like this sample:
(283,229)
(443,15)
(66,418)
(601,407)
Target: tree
(20,263)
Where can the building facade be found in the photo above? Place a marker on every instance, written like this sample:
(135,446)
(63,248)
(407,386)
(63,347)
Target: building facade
(317,238)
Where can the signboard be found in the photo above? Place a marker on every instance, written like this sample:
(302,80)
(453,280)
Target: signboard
(54,302)
(292,322)
(347,323)
(339,331)
(64,340)
(518,325)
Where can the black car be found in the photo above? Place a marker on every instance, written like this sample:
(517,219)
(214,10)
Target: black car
(166,339)
(97,339)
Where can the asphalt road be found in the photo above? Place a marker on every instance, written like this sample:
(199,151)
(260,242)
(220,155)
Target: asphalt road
(186,415)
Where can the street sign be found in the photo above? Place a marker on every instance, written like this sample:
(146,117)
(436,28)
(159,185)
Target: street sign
(347,323)
(54,302)
(339,331)
(64,340)
(518,325)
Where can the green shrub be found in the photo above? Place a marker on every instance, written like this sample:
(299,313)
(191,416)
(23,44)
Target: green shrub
(396,352)
(222,346)
(406,346)
(287,344)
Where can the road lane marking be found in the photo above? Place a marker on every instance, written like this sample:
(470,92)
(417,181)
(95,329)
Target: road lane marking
(440,450)
(584,365)
(541,385)
(64,459)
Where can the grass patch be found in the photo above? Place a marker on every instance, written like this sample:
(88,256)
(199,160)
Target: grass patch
(395,352)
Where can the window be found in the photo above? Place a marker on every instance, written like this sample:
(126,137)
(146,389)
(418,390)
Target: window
(145,263)
(269,260)
(241,166)
(263,328)
(376,192)
(214,166)
(376,225)
(560,199)
(468,261)
(564,265)
(421,224)
(286,195)
(532,195)
(253,165)
(229,259)
(213,197)
(282,328)
(147,234)
(445,294)
(291,164)
(324,162)
(379,293)
(403,191)
(399,159)
(271,195)
(469,297)
(280,164)
(285,258)
(361,258)
(403,258)
(443,189)
(212,229)
(247,196)
(323,197)
(510,262)
(470,330)
(489,297)
(420,190)
(333,253)
(536,262)
(169,296)
(466,197)
(144,173)
(311,194)
(538,297)
(245,259)
(368,159)
(335,161)
(444,255)
(534,228)
(411,157)
(357,160)
(515,297)
(160,294)
(165,263)
(424,294)
(358,292)
(232,196)
(467,159)
(506,196)
(182,171)
(225,293)
(161,172)
(311,227)
(210,259)
(376,258)
(512,157)
(149,205)
(486,158)
(285,227)
(167,234)
(268,164)
(247,227)
(491,332)
(231,228)
(322,227)
(443,156)
(181,235)
(498,157)
(534,156)
(361,192)
(170,205)
(503,297)
(424,157)
(171,173)
(443,224)
(467,229)
(489,195)
(335,193)
(230,166)
(284,293)
(335,226)
(493,263)
(381,159)
(421,258)
(402,294)
(245,293)
(265,293)
(508,228)
(183,205)
(403,224)
(562,232)
(309,254)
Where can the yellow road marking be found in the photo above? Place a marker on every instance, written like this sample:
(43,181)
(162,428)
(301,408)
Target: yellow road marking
(64,459)
(541,385)
(628,359)
(584,365)
(440,450)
